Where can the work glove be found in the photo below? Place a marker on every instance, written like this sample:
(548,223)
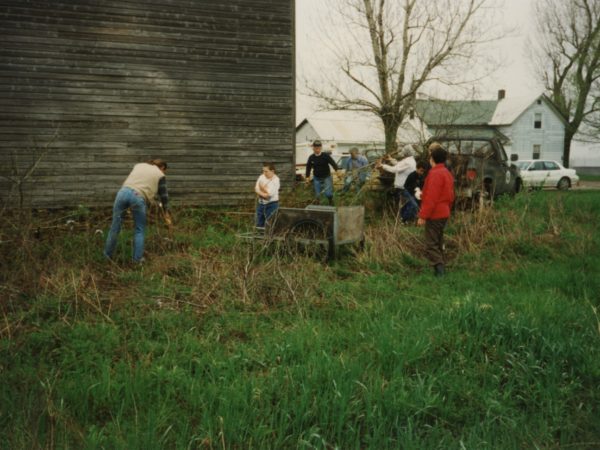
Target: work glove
(168,220)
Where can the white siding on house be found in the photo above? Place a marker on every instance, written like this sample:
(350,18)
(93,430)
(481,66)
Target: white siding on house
(307,134)
(585,155)
(524,135)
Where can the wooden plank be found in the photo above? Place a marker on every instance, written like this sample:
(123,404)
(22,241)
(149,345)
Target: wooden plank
(209,86)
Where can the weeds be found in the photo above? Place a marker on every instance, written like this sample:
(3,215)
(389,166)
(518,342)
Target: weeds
(215,343)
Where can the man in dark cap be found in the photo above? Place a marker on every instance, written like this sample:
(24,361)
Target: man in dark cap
(319,163)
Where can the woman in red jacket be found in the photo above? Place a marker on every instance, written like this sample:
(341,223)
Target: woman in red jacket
(436,202)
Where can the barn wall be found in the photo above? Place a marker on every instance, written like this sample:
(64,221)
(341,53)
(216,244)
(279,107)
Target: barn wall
(89,88)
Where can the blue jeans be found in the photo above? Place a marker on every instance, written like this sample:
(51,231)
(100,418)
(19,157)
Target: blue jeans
(323,185)
(264,211)
(127,198)
(410,209)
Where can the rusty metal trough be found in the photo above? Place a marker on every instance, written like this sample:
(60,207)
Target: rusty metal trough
(327,227)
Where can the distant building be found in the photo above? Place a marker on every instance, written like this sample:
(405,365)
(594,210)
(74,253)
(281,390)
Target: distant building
(531,127)
(339,131)
(585,157)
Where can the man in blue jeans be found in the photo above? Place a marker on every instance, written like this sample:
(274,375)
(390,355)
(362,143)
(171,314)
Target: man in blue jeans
(319,162)
(144,182)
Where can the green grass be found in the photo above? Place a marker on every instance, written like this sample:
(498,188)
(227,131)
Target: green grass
(214,344)
(585,177)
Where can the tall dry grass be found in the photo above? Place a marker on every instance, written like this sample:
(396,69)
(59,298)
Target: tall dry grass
(203,266)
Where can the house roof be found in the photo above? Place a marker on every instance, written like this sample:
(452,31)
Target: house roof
(350,126)
(456,112)
(478,112)
(356,127)
(478,115)
(471,132)
(510,109)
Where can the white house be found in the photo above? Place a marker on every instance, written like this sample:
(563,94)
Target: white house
(531,127)
(534,126)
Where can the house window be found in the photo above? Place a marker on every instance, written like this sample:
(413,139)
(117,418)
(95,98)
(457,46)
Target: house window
(537,149)
(537,121)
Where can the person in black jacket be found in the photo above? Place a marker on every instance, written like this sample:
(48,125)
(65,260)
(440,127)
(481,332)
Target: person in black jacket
(319,163)
(412,191)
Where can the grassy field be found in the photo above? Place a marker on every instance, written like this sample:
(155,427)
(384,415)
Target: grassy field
(217,344)
(586,177)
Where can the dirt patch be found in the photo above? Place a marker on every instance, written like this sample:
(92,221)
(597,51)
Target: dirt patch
(588,185)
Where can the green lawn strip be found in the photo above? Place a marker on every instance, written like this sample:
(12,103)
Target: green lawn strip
(586,177)
(469,358)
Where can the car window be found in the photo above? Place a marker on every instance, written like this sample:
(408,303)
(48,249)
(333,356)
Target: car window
(538,165)
(551,165)
(482,149)
(503,156)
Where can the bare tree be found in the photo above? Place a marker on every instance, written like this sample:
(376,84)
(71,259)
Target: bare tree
(20,172)
(395,48)
(567,58)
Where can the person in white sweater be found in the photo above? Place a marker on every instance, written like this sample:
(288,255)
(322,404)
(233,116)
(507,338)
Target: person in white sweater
(267,189)
(402,169)
(145,181)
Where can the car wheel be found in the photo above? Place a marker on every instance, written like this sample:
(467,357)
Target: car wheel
(563,184)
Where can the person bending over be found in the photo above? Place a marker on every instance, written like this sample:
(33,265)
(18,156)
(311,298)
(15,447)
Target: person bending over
(401,169)
(145,181)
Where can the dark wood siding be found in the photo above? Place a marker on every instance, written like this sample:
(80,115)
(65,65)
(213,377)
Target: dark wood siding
(96,86)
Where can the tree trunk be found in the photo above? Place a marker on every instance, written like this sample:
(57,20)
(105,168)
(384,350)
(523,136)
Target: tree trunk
(569,133)
(391,136)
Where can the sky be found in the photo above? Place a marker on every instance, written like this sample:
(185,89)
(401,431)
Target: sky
(515,75)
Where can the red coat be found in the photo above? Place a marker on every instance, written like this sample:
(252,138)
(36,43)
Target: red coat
(438,194)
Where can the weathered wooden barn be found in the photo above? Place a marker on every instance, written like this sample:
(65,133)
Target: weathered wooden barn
(89,87)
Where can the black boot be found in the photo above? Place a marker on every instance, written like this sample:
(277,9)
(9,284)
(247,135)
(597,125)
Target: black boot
(438,270)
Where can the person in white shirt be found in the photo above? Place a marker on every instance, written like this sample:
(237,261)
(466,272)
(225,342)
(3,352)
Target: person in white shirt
(402,169)
(267,189)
